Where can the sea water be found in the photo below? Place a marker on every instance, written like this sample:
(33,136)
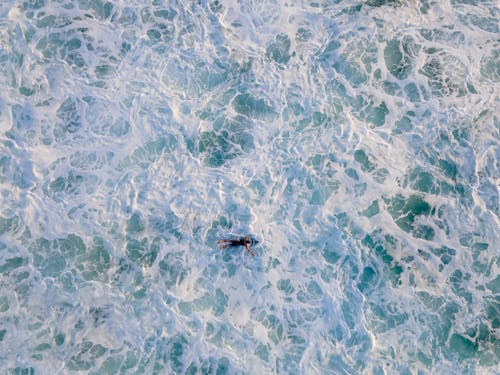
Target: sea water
(357,141)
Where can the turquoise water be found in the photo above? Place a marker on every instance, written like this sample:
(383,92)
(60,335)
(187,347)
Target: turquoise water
(358,141)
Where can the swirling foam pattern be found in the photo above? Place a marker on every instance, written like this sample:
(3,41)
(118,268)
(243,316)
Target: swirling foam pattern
(358,141)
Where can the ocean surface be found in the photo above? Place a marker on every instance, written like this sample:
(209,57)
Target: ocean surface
(357,141)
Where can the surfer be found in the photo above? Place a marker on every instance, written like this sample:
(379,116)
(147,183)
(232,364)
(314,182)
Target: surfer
(242,241)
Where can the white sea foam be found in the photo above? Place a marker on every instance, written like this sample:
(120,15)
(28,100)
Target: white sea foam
(357,141)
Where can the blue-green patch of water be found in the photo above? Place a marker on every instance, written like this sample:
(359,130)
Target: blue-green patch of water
(255,108)
(399,55)
(279,49)
(144,156)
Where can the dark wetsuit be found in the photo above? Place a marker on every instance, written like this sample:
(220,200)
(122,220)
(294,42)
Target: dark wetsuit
(243,241)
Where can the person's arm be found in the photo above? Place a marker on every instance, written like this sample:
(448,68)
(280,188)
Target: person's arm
(247,246)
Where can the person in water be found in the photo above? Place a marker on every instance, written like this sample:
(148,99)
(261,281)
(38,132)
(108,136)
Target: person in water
(242,241)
